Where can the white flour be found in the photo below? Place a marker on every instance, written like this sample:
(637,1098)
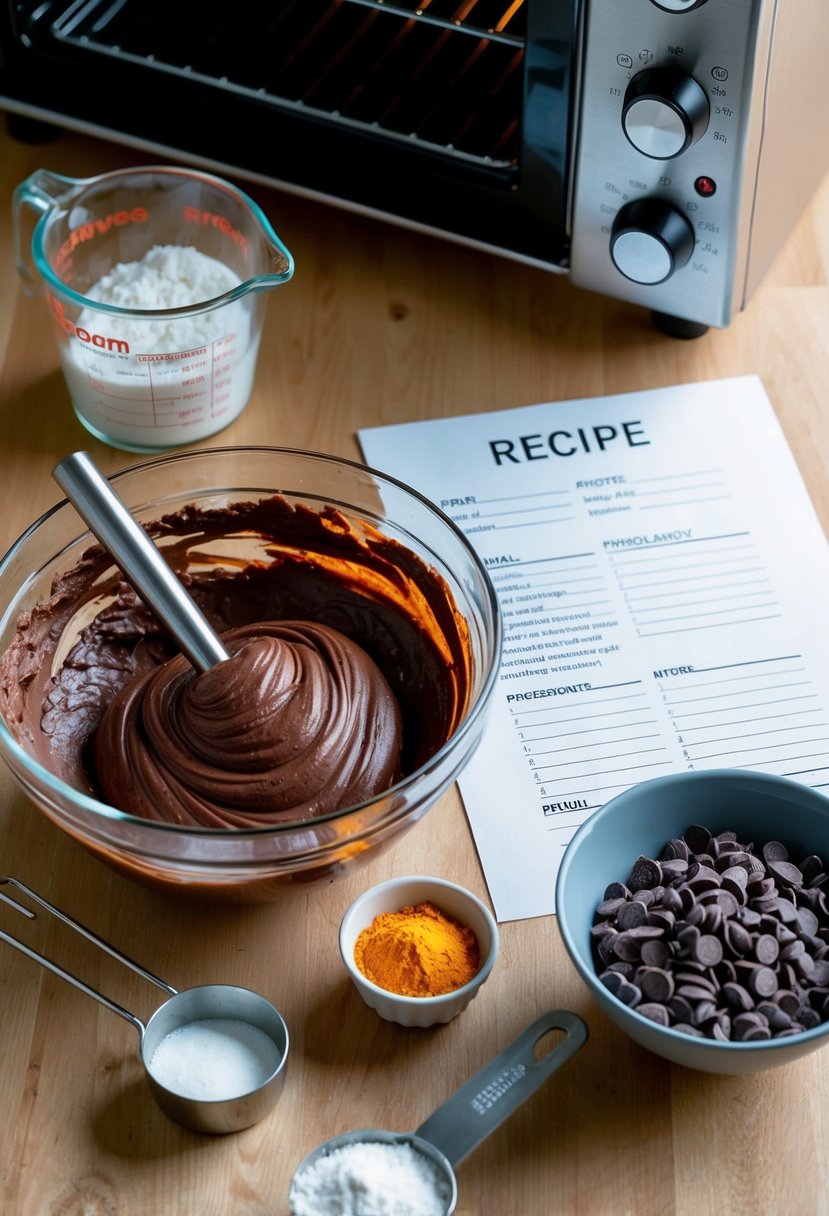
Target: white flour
(169,276)
(370,1178)
(215,1059)
(155,382)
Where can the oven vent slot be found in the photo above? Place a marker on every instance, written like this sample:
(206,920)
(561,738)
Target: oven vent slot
(445,75)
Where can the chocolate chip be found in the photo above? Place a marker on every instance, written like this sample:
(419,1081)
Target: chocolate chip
(628,993)
(626,947)
(787,1000)
(807,922)
(612,980)
(728,903)
(773,850)
(672,902)
(737,938)
(693,992)
(775,1016)
(708,949)
(673,871)
(654,1011)
(655,953)
(660,918)
(616,890)
(648,896)
(737,997)
(682,1009)
(766,949)
(787,872)
(675,850)
(697,838)
(631,915)
(704,1012)
(645,873)
(763,982)
(656,984)
(811,867)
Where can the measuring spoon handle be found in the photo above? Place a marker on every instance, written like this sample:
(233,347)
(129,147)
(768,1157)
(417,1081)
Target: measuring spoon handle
(493,1094)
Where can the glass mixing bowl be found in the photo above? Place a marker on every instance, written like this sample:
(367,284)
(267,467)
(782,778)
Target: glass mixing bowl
(379,515)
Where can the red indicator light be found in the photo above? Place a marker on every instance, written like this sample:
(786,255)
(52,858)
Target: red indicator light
(706,186)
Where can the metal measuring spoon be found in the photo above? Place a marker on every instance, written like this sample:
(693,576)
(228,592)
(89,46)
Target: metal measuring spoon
(139,560)
(210,1001)
(475,1110)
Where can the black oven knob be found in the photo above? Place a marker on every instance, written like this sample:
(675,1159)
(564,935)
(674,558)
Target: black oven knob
(649,240)
(664,112)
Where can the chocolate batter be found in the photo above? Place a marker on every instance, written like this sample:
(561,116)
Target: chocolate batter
(350,668)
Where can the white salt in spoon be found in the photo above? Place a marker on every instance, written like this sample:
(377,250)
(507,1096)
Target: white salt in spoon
(139,560)
(464,1120)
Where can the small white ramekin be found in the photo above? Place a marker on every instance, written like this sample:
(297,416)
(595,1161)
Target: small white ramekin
(398,893)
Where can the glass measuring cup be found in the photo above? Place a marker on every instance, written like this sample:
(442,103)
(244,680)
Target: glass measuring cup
(465,1120)
(223,1005)
(155,279)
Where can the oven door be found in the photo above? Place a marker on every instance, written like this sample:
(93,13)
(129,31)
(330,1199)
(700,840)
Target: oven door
(450,115)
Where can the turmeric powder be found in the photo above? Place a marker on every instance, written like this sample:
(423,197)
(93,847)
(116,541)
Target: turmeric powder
(418,951)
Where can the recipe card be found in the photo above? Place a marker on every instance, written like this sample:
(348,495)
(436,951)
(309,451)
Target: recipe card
(663,580)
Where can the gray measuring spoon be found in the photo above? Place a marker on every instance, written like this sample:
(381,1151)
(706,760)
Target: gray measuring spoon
(464,1120)
(139,559)
(226,1110)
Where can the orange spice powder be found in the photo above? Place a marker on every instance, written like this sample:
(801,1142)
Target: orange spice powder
(418,951)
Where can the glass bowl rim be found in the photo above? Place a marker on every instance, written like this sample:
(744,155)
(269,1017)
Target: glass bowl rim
(103,811)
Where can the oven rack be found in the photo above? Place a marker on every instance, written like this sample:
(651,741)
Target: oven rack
(445,75)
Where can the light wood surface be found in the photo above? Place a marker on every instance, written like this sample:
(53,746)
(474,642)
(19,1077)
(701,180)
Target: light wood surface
(381,325)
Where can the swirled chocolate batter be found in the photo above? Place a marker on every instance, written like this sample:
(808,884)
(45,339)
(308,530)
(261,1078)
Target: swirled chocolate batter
(350,666)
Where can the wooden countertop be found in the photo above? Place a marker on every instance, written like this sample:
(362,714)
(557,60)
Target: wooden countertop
(381,325)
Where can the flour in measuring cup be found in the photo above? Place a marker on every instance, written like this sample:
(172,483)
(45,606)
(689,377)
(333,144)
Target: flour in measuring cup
(152,382)
(168,276)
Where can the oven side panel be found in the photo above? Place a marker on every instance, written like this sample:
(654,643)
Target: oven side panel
(794,152)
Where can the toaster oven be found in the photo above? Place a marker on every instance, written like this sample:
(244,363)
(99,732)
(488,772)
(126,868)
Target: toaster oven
(656,151)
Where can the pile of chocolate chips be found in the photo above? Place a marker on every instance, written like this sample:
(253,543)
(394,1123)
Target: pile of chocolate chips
(719,939)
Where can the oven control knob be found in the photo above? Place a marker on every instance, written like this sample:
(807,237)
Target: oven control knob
(649,240)
(664,112)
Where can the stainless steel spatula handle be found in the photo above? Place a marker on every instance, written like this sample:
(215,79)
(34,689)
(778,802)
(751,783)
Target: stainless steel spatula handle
(140,561)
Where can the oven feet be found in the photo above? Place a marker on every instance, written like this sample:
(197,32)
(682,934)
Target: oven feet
(677,327)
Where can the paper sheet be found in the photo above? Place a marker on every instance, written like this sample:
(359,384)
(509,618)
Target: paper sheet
(663,580)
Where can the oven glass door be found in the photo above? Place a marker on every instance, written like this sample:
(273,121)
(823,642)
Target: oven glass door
(449,114)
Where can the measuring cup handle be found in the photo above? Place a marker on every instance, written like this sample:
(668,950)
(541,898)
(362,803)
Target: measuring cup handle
(483,1103)
(38,193)
(84,932)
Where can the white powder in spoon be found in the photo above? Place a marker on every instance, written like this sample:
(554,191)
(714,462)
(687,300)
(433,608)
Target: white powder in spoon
(214,1060)
(370,1178)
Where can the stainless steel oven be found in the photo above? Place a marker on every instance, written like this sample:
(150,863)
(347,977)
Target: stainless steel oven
(657,151)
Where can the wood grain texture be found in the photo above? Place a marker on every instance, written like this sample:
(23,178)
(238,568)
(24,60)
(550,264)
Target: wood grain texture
(381,325)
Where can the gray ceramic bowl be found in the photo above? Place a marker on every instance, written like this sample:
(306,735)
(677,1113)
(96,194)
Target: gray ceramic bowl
(758,807)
